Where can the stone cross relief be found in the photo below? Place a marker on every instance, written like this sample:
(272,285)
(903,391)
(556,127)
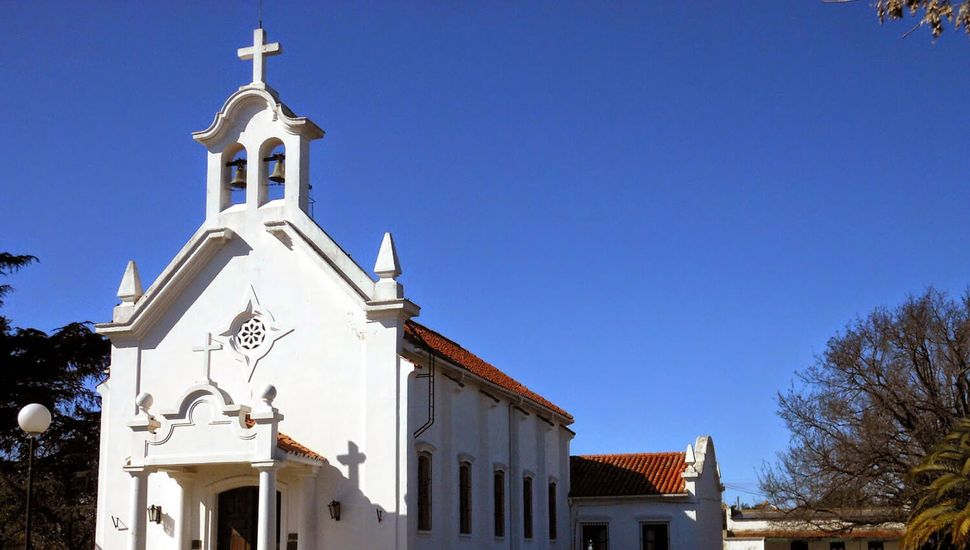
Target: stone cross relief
(257,52)
(207,348)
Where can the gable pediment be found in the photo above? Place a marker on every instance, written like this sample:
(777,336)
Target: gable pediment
(299,236)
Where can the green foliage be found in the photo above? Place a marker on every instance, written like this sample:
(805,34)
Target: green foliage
(8,264)
(58,370)
(932,13)
(941,517)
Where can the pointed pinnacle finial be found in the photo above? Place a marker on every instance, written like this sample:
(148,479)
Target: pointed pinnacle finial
(387,268)
(387,265)
(130,289)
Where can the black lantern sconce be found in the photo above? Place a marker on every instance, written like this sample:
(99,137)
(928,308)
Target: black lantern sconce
(380,515)
(334,508)
(155,514)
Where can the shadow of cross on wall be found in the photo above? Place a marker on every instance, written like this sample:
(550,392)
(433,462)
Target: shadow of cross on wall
(352,460)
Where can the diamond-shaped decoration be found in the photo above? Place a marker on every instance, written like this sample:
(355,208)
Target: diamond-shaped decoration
(253,332)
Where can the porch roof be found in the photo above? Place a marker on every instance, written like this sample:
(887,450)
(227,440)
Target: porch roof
(291,446)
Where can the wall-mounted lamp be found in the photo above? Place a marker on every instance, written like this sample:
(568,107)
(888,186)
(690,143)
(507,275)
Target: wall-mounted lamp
(380,515)
(155,514)
(334,508)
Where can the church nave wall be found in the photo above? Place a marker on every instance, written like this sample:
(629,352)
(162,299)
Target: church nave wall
(475,423)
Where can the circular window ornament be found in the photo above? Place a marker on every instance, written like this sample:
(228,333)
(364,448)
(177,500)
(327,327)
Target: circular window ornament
(251,334)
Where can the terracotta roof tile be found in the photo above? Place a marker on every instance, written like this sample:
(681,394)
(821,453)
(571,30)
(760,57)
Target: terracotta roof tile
(287,444)
(467,360)
(627,474)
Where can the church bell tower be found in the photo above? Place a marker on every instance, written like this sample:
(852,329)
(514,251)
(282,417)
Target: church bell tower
(254,142)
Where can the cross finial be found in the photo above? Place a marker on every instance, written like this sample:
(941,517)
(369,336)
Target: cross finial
(256,52)
(207,348)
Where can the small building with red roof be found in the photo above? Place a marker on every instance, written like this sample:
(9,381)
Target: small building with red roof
(647,501)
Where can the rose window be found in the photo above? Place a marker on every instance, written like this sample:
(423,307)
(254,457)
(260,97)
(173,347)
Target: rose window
(251,334)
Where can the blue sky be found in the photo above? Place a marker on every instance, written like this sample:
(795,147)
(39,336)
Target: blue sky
(653,214)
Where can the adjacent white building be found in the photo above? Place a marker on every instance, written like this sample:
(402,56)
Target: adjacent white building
(650,501)
(266,391)
(770,529)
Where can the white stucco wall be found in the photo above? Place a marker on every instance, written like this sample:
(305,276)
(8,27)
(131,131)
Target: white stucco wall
(623,519)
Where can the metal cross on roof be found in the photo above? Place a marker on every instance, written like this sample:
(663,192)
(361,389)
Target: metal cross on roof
(256,52)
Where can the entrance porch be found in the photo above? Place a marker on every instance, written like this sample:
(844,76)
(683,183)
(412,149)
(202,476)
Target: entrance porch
(218,476)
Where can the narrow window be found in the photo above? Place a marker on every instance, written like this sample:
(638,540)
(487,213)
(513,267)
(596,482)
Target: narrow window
(654,536)
(837,546)
(424,492)
(799,545)
(552,511)
(498,513)
(465,498)
(875,545)
(527,507)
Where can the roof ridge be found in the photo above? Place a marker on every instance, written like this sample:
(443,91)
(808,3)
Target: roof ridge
(462,356)
(620,455)
(429,329)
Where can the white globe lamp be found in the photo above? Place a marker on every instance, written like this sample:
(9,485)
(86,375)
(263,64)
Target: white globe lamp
(34,419)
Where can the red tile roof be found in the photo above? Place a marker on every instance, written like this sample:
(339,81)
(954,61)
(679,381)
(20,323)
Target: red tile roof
(287,444)
(452,351)
(627,474)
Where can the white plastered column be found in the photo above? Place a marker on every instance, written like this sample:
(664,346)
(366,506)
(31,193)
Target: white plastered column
(183,511)
(307,537)
(266,519)
(138,508)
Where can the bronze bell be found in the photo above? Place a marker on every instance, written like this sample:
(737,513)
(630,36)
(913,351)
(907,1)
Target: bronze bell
(239,179)
(279,170)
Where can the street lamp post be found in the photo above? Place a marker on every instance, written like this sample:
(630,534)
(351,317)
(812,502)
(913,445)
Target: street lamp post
(34,419)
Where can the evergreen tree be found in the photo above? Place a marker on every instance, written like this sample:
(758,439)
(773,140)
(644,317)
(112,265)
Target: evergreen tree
(60,371)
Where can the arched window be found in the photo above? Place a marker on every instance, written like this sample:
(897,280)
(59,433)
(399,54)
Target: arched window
(498,492)
(527,507)
(424,491)
(552,511)
(465,498)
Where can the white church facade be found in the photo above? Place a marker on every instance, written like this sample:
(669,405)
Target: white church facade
(267,392)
